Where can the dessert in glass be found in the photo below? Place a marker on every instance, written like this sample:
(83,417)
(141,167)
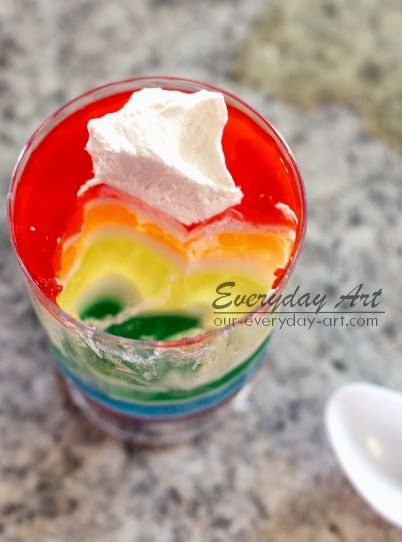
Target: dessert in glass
(128,209)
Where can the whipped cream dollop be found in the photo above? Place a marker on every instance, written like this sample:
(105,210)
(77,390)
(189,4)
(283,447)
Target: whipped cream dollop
(165,147)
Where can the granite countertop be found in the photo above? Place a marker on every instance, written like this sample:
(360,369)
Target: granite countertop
(268,473)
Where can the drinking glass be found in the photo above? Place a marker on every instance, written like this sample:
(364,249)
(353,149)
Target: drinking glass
(151,392)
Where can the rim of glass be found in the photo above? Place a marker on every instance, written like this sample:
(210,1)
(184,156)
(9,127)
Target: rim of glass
(178,83)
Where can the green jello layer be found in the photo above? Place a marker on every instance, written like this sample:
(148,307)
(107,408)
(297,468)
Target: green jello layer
(155,327)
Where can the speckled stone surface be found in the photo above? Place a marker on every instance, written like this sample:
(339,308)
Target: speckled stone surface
(268,473)
(315,51)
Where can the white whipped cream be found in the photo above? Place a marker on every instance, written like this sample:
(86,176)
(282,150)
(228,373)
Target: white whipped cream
(165,147)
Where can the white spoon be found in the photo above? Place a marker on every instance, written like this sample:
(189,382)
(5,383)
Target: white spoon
(364,424)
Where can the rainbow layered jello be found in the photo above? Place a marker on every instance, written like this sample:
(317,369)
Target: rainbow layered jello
(106,263)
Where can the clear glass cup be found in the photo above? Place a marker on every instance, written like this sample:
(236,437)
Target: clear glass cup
(150,392)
